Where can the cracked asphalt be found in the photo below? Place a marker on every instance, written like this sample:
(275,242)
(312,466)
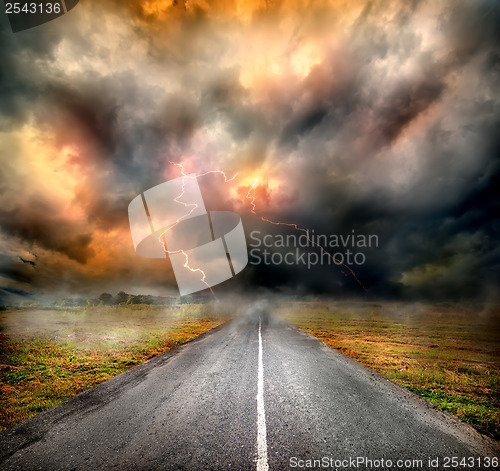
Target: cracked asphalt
(194,408)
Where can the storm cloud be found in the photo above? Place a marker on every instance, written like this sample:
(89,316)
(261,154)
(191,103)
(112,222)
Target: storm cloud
(369,118)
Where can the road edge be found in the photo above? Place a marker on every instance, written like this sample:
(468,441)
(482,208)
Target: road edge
(34,429)
(480,443)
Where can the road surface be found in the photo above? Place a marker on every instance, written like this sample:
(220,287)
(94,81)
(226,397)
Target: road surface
(255,393)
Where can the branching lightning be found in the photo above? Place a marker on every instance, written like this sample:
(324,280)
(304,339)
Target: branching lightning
(193,207)
(251,199)
(302,229)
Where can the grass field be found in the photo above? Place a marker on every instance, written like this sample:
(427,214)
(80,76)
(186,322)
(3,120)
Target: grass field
(448,354)
(48,356)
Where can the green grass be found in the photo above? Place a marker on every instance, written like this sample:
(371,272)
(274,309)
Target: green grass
(48,356)
(477,411)
(448,354)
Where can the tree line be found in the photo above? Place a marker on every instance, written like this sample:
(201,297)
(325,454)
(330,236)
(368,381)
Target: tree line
(123,298)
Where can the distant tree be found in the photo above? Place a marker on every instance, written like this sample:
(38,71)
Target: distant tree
(132,299)
(186,299)
(80,302)
(106,299)
(30,304)
(121,298)
(141,299)
(66,302)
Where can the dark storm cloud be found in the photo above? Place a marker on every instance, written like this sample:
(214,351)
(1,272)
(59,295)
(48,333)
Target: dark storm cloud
(441,256)
(390,130)
(89,113)
(472,28)
(21,273)
(176,123)
(224,99)
(21,70)
(401,108)
(37,222)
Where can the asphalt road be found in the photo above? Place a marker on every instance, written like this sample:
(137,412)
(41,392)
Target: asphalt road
(244,397)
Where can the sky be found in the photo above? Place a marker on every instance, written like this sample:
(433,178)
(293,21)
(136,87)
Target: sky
(344,117)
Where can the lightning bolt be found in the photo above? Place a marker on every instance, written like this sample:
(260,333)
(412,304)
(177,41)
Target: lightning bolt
(297,228)
(193,207)
(251,198)
(220,172)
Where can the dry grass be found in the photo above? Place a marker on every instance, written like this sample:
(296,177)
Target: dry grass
(449,354)
(48,356)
